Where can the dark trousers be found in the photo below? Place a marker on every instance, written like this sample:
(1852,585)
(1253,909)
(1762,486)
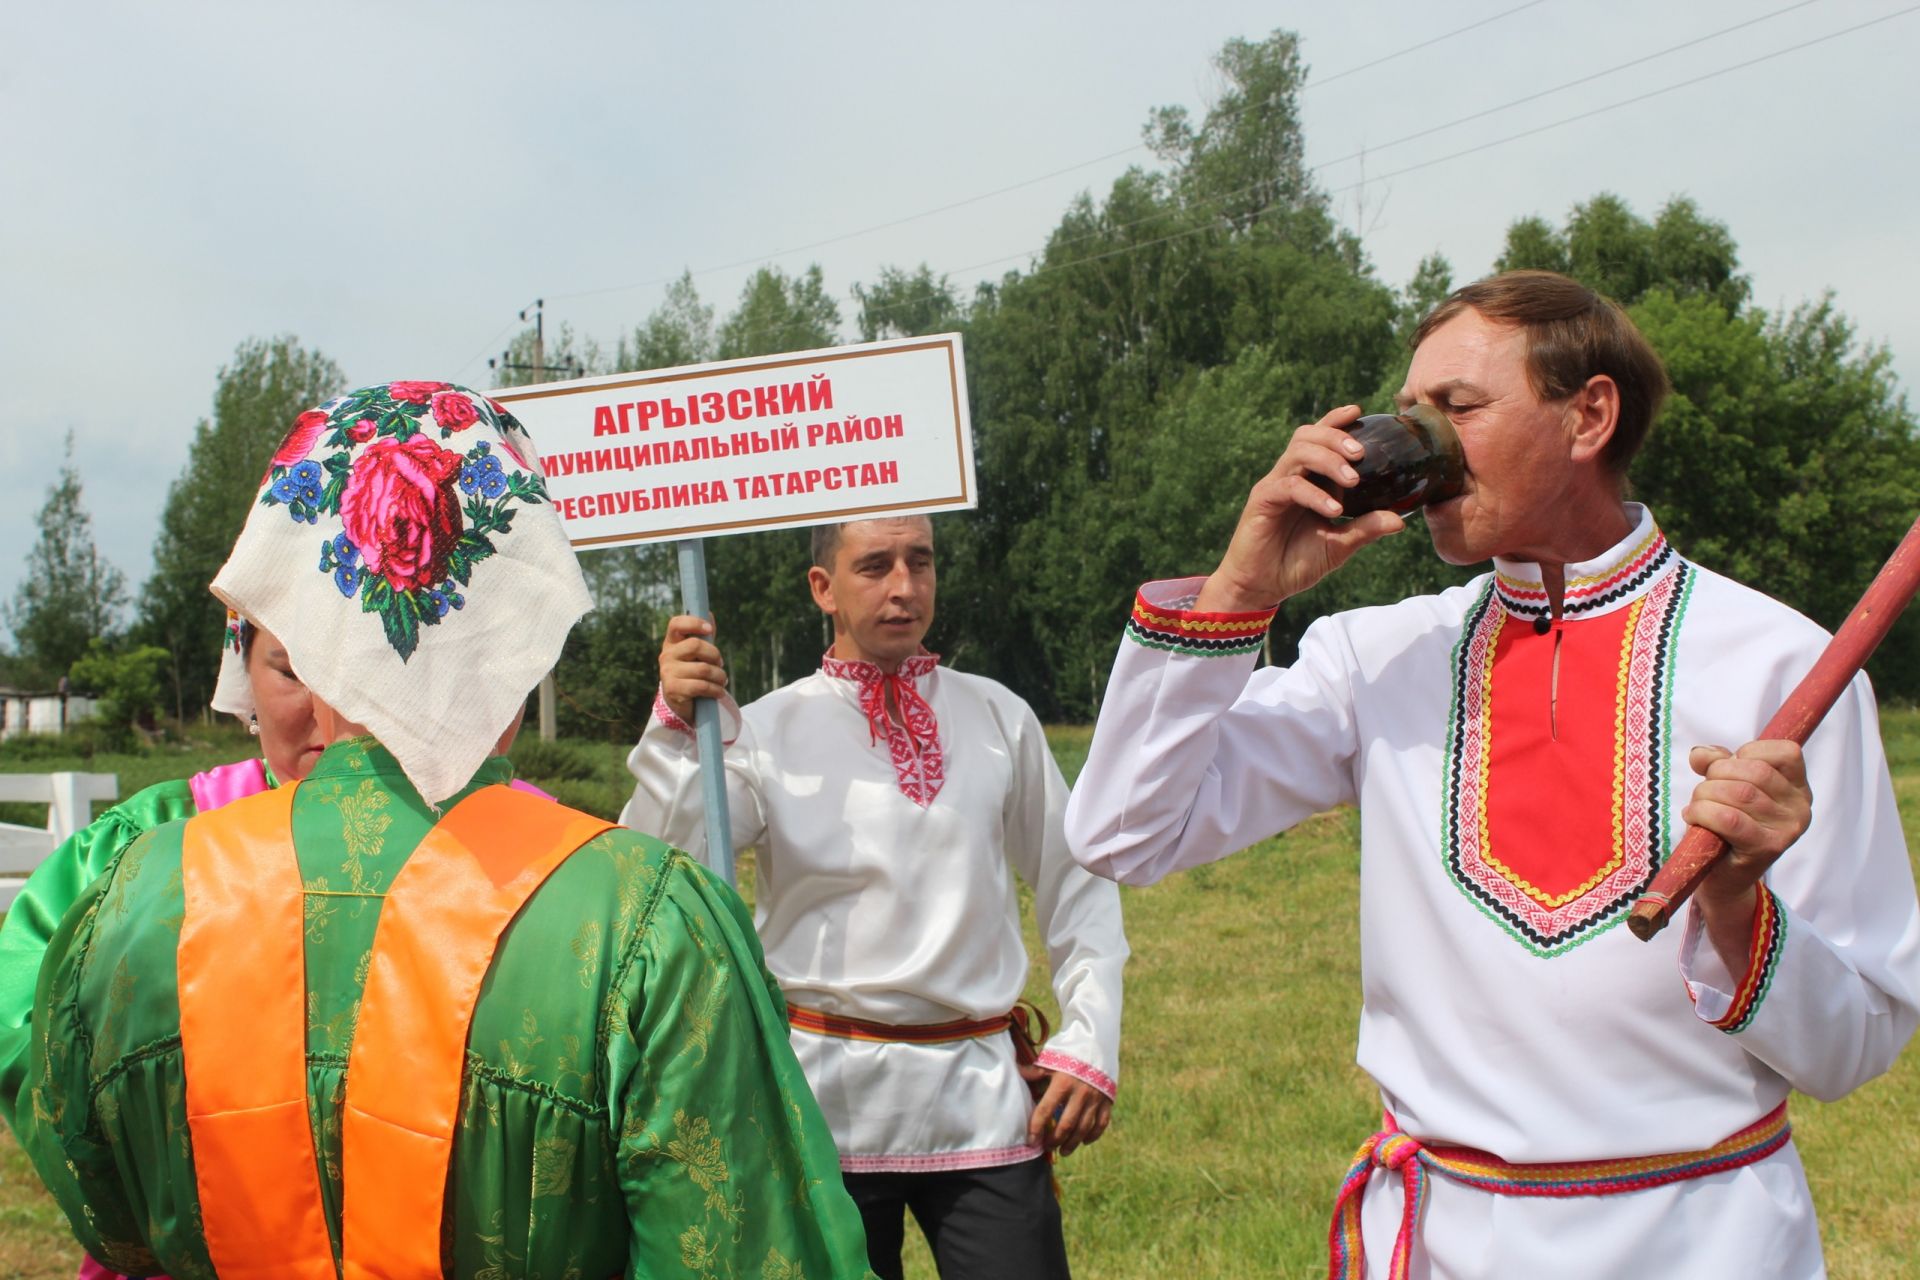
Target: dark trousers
(1001,1223)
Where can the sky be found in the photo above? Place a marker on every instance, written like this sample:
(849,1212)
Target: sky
(392,183)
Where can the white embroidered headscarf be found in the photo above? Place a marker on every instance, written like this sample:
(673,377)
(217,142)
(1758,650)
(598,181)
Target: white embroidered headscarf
(232,691)
(404,551)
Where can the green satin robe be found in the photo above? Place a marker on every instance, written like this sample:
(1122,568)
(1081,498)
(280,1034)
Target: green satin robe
(631,1105)
(55,885)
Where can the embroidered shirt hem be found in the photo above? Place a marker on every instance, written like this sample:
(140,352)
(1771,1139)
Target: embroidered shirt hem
(942,1161)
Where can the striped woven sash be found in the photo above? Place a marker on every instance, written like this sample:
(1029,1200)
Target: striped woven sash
(814,1022)
(1392,1149)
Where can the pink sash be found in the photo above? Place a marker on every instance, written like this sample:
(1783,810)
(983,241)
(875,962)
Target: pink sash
(224,784)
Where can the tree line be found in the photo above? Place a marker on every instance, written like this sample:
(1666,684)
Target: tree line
(1127,388)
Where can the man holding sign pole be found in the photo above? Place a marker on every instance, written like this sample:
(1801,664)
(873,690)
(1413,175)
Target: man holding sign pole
(892,803)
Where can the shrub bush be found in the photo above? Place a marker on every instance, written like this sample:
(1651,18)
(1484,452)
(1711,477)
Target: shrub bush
(544,762)
(84,741)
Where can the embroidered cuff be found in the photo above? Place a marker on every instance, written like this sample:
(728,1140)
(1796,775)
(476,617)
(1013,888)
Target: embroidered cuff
(1733,1014)
(1176,627)
(664,713)
(1050,1060)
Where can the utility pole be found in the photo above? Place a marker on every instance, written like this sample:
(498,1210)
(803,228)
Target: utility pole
(539,368)
(549,694)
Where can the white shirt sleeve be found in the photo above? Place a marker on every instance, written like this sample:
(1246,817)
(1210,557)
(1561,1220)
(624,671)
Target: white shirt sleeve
(667,801)
(1078,915)
(1196,755)
(1832,989)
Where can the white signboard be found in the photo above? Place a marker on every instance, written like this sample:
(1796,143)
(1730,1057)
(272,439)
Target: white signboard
(808,438)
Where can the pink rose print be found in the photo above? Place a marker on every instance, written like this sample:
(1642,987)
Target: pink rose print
(454,411)
(511,439)
(400,508)
(415,392)
(299,442)
(361,431)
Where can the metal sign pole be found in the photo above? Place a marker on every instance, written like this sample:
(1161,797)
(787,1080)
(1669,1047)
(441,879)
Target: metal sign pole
(706,719)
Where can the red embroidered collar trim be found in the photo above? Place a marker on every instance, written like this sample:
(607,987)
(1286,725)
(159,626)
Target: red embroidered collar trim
(1647,563)
(918,764)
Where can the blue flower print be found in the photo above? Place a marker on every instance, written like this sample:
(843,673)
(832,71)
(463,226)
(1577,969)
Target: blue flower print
(300,489)
(484,475)
(301,484)
(340,557)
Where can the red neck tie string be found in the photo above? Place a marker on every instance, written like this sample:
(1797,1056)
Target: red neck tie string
(913,739)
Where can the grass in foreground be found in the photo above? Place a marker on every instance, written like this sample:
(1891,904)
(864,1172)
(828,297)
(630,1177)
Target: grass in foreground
(1240,1104)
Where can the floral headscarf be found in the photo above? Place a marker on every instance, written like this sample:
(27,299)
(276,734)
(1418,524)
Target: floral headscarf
(232,691)
(404,551)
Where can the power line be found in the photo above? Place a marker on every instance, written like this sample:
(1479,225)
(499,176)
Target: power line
(1642,97)
(1569,84)
(1224,196)
(1424,164)
(505,329)
(1045,177)
(1228,195)
(1424,44)
(849,235)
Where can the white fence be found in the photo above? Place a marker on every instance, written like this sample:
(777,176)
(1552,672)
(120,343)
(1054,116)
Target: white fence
(69,799)
(41,712)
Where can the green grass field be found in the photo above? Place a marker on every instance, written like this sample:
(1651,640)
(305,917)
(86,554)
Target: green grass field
(1240,1104)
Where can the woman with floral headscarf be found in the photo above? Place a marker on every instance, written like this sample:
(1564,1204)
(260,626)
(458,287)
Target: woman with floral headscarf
(400,1019)
(257,684)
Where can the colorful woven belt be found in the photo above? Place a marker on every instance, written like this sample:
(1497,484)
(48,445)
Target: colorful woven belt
(842,1028)
(1392,1149)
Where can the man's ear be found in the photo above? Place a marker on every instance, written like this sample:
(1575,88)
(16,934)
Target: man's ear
(820,582)
(1595,412)
(505,744)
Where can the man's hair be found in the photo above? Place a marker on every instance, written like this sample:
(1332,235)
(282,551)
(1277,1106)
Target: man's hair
(826,545)
(1572,334)
(826,538)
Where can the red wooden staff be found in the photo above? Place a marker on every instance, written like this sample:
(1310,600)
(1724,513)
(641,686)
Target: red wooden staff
(1805,707)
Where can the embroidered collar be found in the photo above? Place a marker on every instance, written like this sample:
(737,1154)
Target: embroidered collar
(1612,580)
(914,743)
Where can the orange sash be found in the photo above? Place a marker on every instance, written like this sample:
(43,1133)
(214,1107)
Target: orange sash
(243,1036)
(438,929)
